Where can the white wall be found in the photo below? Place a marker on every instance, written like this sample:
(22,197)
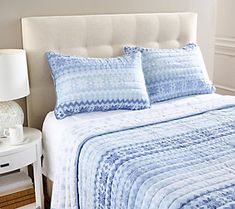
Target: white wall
(12,10)
(224,73)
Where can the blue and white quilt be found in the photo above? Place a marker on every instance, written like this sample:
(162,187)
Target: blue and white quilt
(182,156)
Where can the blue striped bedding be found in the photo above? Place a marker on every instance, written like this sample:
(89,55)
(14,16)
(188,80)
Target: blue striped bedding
(182,156)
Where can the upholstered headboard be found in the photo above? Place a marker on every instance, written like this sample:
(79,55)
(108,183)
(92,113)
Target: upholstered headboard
(96,36)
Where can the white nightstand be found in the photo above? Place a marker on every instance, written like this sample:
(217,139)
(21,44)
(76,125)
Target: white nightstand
(20,156)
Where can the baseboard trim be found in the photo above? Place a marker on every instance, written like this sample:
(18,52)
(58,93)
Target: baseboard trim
(225,88)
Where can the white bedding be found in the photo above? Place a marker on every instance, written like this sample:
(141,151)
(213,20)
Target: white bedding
(52,136)
(53,128)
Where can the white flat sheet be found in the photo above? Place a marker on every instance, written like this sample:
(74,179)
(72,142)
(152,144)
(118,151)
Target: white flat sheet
(53,128)
(52,136)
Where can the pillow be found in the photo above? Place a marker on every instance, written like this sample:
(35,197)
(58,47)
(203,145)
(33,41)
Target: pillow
(172,73)
(97,84)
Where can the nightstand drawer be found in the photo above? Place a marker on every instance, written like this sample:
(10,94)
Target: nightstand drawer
(18,160)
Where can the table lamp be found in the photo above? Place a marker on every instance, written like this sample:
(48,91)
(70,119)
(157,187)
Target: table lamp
(14,84)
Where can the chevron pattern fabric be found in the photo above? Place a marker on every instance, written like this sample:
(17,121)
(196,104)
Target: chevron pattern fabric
(172,73)
(97,84)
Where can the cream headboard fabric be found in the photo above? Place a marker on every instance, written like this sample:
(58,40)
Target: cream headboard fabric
(96,36)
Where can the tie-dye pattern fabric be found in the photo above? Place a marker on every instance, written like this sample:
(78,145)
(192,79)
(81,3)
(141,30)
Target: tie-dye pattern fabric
(133,161)
(97,84)
(172,73)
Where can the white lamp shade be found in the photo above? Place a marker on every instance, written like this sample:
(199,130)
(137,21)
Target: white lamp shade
(14,82)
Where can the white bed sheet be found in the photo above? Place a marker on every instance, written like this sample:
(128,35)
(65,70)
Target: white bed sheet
(53,129)
(52,136)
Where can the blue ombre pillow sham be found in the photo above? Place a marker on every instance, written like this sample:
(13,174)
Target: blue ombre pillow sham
(172,73)
(97,84)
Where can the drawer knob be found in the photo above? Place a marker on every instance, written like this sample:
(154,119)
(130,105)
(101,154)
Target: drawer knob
(4,165)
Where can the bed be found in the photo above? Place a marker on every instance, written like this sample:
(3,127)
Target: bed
(130,159)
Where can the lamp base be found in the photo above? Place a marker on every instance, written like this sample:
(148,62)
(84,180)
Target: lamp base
(11,114)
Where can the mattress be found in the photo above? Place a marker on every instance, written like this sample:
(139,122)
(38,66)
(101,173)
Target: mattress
(53,129)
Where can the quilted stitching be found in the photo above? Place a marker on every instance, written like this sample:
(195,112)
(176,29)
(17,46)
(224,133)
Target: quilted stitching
(97,84)
(172,73)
